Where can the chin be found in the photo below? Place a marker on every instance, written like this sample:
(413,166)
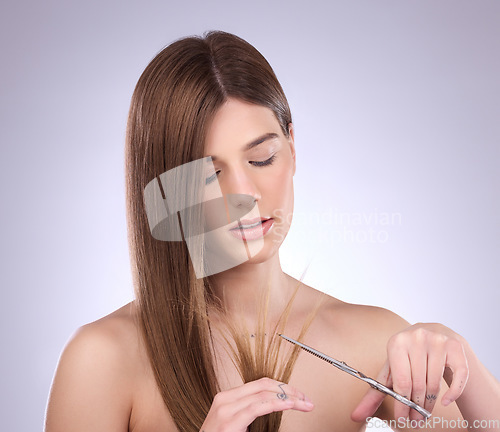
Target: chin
(271,247)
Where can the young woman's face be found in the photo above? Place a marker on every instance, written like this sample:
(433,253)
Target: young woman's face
(252,160)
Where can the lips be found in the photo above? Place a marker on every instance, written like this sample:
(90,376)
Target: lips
(252,229)
(244,223)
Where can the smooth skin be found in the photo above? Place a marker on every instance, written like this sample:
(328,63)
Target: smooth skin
(104,381)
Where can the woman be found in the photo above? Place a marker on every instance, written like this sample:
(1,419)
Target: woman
(210,160)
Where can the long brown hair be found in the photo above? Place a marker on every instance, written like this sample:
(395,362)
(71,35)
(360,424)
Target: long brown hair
(172,105)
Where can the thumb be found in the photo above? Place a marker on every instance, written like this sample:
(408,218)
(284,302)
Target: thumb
(372,398)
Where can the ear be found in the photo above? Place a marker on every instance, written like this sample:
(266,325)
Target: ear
(291,140)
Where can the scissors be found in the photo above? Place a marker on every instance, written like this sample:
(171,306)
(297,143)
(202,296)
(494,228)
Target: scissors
(373,383)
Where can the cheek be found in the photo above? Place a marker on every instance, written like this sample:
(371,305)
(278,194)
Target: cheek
(279,190)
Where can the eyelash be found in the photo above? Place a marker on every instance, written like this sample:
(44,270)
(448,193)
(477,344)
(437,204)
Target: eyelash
(266,162)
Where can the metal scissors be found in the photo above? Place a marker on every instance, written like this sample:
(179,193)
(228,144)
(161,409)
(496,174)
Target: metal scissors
(373,383)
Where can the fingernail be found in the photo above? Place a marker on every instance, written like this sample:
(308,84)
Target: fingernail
(308,403)
(446,402)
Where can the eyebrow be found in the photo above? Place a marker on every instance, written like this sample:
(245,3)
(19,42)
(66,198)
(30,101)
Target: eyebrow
(266,137)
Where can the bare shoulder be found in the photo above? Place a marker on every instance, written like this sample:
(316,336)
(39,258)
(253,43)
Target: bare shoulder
(355,333)
(362,319)
(105,340)
(117,330)
(93,384)
(353,318)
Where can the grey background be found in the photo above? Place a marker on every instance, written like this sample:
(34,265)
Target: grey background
(396,109)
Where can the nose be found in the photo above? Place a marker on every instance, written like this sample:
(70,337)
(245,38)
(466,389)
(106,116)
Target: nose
(241,201)
(241,190)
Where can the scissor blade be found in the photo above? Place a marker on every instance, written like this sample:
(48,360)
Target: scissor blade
(331,360)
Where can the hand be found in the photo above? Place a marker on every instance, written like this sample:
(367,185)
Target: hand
(416,361)
(235,409)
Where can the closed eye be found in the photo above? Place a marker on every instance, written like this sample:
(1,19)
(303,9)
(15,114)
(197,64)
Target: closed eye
(265,162)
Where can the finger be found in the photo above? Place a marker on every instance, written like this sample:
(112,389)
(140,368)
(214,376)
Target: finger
(230,402)
(457,362)
(418,364)
(435,368)
(239,407)
(265,388)
(286,391)
(400,368)
(266,402)
(254,406)
(247,389)
(372,398)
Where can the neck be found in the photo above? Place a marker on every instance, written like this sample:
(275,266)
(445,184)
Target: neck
(243,289)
